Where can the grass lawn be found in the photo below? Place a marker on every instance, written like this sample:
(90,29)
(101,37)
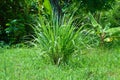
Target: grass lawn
(90,64)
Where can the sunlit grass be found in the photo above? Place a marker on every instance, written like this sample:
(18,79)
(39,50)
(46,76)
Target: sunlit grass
(27,64)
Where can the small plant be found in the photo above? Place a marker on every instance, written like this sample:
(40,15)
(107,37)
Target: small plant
(105,33)
(59,41)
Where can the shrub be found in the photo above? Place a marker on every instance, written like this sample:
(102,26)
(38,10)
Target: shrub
(105,32)
(58,41)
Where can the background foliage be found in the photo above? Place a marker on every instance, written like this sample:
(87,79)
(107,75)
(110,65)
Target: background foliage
(16,17)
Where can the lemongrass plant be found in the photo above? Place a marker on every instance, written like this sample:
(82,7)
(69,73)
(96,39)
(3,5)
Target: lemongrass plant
(59,40)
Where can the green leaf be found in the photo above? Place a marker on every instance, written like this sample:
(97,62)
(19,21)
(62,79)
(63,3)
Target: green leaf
(8,24)
(113,31)
(47,6)
(93,21)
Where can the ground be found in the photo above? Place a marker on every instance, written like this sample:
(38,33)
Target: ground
(90,64)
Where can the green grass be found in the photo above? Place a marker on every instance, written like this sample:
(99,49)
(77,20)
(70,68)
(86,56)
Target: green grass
(90,64)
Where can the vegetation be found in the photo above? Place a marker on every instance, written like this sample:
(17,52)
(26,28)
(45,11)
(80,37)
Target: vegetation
(59,39)
(27,64)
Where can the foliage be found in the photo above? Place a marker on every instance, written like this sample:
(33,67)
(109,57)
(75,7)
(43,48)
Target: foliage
(58,41)
(15,31)
(92,5)
(104,30)
(114,15)
(24,13)
(14,20)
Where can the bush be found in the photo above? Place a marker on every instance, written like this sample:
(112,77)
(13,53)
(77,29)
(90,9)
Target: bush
(58,41)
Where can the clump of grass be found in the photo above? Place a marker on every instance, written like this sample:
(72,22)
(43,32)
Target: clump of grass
(58,40)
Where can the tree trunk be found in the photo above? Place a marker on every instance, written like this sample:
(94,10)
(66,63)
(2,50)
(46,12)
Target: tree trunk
(57,12)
